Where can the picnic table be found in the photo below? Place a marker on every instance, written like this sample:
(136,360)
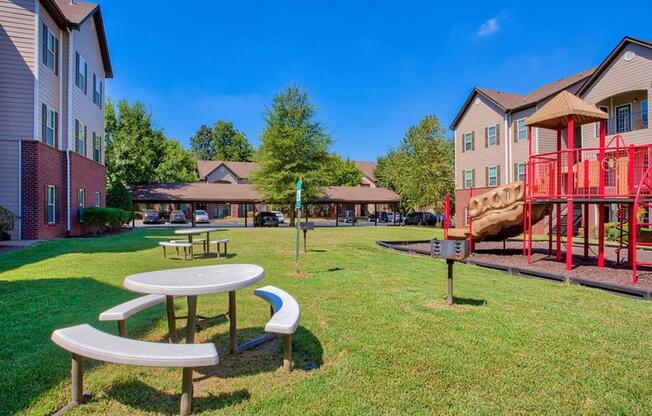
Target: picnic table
(192,282)
(194,231)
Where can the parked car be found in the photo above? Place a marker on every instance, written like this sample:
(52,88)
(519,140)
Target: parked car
(381,215)
(177,216)
(420,218)
(280,216)
(201,216)
(266,219)
(349,216)
(392,215)
(151,216)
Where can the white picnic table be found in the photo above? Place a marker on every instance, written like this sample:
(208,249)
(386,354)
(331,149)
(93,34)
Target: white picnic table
(195,281)
(194,231)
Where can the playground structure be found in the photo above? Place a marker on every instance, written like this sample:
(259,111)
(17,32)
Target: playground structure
(567,181)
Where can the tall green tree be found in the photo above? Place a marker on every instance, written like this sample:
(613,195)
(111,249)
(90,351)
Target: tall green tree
(230,143)
(421,169)
(137,152)
(293,145)
(341,172)
(202,144)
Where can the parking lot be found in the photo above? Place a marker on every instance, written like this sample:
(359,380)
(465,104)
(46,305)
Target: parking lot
(240,223)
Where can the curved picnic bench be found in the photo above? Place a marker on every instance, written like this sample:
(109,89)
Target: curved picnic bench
(84,341)
(123,311)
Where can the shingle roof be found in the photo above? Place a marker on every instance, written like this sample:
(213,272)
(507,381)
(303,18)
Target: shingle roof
(242,170)
(509,102)
(556,112)
(77,12)
(218,192)
(367,169)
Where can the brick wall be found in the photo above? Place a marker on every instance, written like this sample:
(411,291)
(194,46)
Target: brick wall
(42,165)
(91,176)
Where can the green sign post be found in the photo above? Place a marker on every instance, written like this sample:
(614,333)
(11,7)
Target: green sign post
(297,218)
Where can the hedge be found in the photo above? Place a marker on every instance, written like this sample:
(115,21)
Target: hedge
(100,219)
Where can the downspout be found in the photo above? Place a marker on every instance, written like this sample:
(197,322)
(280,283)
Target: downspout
(69,135)
(507,146)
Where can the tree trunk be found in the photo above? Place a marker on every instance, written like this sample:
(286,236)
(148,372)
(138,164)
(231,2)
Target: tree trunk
(292,215)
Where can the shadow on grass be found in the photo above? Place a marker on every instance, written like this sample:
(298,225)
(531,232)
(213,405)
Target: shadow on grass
(139,395)
(331,270)
(31,310)
(469,301)
(307,353)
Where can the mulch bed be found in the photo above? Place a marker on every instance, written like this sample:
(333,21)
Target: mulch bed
(583,269)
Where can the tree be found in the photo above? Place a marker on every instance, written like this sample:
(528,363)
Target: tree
(202,144)
(117,196)
(341,172)
(293,145)
(421,169)
(230,143)
(178,165)
(137,152)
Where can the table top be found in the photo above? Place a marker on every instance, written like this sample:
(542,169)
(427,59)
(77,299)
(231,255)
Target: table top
(191,281)
(187,231)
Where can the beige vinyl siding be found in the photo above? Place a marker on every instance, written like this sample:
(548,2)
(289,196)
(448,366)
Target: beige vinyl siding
(481,114)
(620,77)
(17,76)
(83,109)
(49,82)
(519,150)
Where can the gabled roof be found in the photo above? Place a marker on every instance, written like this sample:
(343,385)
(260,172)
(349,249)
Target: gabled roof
(367,169)
(556,112)
(71,15)
(242,170)
(509,102)
(609,60)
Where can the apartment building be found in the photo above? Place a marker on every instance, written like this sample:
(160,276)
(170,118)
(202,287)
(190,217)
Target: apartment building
(54,62)
(491,145)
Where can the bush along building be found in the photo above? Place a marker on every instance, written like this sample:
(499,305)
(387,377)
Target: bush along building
(55,62)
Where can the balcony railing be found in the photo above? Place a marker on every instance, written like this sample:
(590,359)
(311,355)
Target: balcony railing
(626,122)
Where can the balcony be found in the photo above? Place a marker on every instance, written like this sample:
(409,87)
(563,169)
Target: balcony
(628,111)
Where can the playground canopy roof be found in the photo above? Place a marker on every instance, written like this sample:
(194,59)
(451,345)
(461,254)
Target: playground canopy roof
(244,193)
(556,112)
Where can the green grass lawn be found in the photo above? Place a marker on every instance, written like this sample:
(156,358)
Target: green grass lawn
(374,321)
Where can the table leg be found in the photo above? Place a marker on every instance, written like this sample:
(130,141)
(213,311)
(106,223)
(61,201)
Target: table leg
(208,243)
(192,255)
(232,322)
(172,326)
(192,319)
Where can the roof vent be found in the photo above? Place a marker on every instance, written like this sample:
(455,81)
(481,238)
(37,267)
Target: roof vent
(629,55)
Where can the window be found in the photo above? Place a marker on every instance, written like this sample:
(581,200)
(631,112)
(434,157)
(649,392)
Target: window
(81,202)
(49,126)
(97,148)
(521,130)
(80,136)
(468,179)
(50,50)
(623,118)
(468,142)
(81,71)
(644,113)
(98,199)
(51,204)
(519,172)
(97,91)
(492,176)
(491,135)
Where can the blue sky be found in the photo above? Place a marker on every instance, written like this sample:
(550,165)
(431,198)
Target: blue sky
(372,68)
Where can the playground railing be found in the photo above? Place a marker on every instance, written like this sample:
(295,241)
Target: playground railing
(613,172)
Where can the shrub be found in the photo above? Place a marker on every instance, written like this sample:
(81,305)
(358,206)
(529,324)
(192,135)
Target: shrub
(99,219)
(7,220)
(117,196)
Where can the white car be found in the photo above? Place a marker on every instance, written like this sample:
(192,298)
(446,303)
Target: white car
(201,216)
(280,216)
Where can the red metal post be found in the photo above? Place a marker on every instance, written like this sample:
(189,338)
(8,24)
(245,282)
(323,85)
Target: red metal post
(586,209)
(632,240)
(603,134)
(447,214)
(570,192)
(525,191)
(470,219)
(558,180)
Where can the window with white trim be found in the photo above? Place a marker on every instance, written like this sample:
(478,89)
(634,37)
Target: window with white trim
(97,91)
(491,135)
(97,148)
(468,179)
(50,128)
(80,136)
(51,204)
(81,202)
(98,199)
(521,130)
(468,142)
(81,73)
(50,49)
(492,176)
(520,172)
